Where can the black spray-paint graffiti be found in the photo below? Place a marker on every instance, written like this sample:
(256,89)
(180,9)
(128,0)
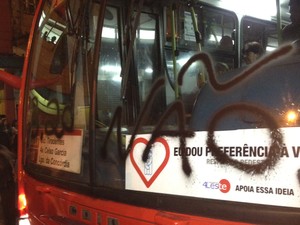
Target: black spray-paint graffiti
(66,119)
(182,133)
(275,135)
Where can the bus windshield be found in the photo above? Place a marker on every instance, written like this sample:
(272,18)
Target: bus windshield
(151,106)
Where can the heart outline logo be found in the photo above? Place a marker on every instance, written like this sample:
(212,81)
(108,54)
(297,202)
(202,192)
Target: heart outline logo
(149,182)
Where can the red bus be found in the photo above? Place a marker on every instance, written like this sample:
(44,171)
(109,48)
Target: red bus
(143,112)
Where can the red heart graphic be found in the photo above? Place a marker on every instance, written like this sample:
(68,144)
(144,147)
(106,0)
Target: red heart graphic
(148,183)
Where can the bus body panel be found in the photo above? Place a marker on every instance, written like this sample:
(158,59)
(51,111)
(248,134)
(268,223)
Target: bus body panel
(63,207)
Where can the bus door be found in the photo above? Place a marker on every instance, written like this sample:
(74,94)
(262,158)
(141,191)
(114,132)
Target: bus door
(118,106)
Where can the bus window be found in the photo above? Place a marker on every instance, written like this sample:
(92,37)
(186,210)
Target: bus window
(149,65)
(58,105)
(192,81)
(109,80)
(218,38)
(219,28)
(110,169)
(177,54)
(261,31)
